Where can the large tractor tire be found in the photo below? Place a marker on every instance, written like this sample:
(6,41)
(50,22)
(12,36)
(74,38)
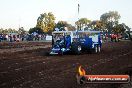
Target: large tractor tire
(76,48)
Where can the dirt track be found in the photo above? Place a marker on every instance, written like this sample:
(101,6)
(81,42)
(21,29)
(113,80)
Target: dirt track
(33,68)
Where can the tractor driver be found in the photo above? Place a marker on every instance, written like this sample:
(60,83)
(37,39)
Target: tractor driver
(59,39)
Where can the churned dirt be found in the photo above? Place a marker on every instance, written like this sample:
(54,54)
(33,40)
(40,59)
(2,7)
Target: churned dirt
(28,65)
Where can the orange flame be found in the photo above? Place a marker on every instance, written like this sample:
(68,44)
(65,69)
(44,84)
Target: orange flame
(81,71)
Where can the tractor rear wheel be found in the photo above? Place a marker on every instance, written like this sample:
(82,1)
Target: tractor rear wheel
(76,48)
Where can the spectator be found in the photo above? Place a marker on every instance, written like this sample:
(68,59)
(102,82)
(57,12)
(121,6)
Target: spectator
(22,37)
(14,37)
(6,37)
(39,37)
(10,37)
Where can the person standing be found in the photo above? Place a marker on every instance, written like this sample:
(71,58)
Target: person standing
(6,36)
(14,37)
(10,37)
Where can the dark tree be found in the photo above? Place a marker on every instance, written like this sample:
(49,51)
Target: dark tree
(36,29)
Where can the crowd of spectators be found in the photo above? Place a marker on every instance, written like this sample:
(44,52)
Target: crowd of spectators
(18,37)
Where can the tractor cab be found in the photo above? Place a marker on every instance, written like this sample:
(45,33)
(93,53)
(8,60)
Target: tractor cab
(61,41)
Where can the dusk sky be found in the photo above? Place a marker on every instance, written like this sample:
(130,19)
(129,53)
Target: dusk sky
(25,12)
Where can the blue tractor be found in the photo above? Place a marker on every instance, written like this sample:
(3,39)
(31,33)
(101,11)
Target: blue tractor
(75,42)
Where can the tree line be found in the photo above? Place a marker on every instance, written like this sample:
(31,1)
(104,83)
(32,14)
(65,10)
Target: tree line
(20,31)
(108,22)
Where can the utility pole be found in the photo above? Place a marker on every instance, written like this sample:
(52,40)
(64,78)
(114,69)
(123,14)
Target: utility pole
(78,16)
(78,9)
(19,23)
